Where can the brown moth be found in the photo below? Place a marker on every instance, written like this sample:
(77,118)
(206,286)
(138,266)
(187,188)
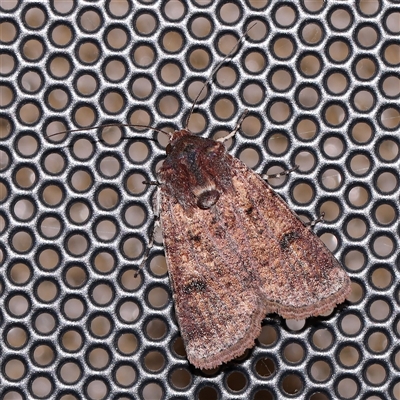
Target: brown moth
(235,252)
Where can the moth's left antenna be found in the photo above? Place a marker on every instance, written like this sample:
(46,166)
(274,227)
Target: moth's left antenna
(107,126)
(215,69)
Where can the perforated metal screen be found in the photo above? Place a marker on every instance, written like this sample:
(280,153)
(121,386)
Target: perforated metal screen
(321,81)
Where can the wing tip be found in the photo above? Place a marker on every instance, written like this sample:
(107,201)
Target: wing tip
(228,354)
(314,310)
(212,361)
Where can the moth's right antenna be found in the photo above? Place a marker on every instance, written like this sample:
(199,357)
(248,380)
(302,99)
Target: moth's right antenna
(216,68)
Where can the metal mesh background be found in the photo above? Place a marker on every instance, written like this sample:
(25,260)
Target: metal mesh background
(321,82)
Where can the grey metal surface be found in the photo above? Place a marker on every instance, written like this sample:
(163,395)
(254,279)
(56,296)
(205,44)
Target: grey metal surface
(321,80)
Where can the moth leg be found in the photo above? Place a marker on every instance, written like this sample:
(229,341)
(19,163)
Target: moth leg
(233,133)
(155,225)
(311,224)
(283,173)
(153,183)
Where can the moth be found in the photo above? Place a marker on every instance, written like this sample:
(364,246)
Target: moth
(235,252)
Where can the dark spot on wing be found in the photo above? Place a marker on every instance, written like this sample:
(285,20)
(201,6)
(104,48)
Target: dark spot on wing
(249,210)
(220,232)
(288,238)
(195,238)
(194,286)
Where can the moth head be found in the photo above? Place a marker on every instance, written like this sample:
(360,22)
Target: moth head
(176,135)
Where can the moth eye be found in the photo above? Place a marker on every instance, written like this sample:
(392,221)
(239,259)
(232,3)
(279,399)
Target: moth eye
(207,199)
(168,149)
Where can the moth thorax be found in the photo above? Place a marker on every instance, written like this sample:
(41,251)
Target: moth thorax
(207,198)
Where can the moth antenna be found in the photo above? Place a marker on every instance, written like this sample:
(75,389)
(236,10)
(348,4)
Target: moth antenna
(109,125)
(237,127)
(215,69)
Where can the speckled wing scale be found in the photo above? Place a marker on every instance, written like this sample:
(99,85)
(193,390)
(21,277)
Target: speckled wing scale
(235,252)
